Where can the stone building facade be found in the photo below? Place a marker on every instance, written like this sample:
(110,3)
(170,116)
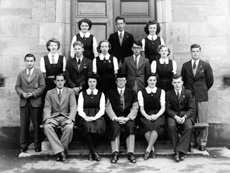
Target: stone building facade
(26,25)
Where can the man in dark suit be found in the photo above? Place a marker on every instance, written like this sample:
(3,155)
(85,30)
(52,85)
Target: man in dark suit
(198,78)
(121,41)
(77,69)
(137,68)
(29,86)
(122,108)
(179,109)
(60,110)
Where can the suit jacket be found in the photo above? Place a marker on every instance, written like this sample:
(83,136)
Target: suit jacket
(66,106)
(139,75)
(113,104)
(181,107)
(36,85)
(76,77)
(124,50)
(201,82)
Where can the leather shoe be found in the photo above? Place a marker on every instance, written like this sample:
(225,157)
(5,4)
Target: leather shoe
(146,155)
(96,157)
(63,156)
(153,154)
(58,157)
(38,150)
(202,148)
(182,156)
(23,150)
(115,157)
(131,157)
(177,157)
(90,157)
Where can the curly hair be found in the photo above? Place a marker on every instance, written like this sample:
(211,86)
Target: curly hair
(161,46)
(99,45)
(152,22)
(85,20)
(54,41)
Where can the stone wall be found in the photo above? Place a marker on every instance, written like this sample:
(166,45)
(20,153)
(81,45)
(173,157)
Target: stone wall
(26,26)
(206,22)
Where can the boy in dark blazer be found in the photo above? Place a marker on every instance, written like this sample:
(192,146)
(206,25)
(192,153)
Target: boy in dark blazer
(122,108)
(60,110)
(29,86)
(198,78)
(136,67)
(121,41)
(77,69)
(179,110)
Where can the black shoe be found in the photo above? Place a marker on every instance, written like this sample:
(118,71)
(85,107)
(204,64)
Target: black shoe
(38,149)
(115,157)
(153,154)
(131,157)
(96,157)
(177,157)
(90,157)
(58,157)
(23,150)
(201,147)
(63,156)
(182,156)
(146,155)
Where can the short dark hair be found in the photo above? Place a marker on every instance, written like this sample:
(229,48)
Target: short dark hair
(152,75)
(78,43)
(161,46)
(59,74)
(152,22)
(99,45)
(177,76)
(195,46)
(29,55)
(119,18)
(85,20)
(54,41)
(137,42)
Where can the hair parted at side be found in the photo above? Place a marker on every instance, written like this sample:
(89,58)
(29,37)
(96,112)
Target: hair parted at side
(99,45)
(29,55)
(152,22)
(177,76)
(52,40)
(195,46)
(85,20)
(59,74)
(119,18)
(78,43)
(137,42)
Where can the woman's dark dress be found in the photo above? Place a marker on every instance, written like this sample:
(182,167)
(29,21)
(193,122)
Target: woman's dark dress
(91,107)
(152,105)
(165,74)
(151,46)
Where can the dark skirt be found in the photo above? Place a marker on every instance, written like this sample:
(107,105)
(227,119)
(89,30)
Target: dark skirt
(165,84)
(125,129)
(97,126)
(147,125)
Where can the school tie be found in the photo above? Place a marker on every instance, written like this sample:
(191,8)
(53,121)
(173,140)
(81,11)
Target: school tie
(59,95)
(122,100)
(78,61)
(135,61)
(120,38)
(194,68)
(91,94)
(53,60)
(178,95)
(29,74)
(152,38)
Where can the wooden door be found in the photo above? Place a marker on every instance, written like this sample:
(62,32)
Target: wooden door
(103,12)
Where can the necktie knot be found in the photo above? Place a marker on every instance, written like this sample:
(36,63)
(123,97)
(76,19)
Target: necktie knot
(79,61)
(59,94)
(178,95)
(194,65)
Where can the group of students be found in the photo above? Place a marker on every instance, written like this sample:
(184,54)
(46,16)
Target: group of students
(121,78)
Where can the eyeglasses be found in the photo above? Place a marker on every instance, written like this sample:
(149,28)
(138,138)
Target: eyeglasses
(136,48)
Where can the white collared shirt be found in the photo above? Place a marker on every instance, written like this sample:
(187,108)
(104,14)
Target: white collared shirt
(151,90)
(56,57)
(178,91)
(197,62)
(101,56)
(87,34)
(119,32)
(81,103)
(162,61)
(150,38)
(79,58)
(119,90)
(59,90)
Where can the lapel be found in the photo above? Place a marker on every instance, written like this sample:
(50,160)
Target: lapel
(24,74)
(55,95)
(33,74)
(63,95)
(74,63)
(83,64)
(117,38)
(199,67)
(132,63)
(141,62)
(174,96)
(182,95)
(124,37)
